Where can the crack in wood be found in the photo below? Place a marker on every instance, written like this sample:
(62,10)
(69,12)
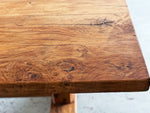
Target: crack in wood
(104,22)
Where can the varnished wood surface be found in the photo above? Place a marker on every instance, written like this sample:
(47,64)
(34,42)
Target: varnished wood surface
(65,108)
(68,46)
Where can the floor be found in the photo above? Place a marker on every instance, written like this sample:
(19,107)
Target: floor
(100,102)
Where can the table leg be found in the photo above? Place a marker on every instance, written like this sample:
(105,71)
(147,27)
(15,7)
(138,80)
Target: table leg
(63,103)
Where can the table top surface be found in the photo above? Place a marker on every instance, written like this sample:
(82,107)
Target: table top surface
(68,46)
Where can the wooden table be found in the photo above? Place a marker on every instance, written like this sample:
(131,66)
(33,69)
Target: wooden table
(60,47)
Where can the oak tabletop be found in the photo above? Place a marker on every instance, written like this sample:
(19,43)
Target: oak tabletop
(68,46)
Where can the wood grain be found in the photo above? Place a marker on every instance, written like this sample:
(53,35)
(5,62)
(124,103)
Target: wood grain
(67,46)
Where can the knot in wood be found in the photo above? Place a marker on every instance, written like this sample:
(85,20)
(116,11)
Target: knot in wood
(66,66)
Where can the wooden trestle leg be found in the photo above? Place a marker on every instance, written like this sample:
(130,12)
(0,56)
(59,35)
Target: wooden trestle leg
(64,103)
